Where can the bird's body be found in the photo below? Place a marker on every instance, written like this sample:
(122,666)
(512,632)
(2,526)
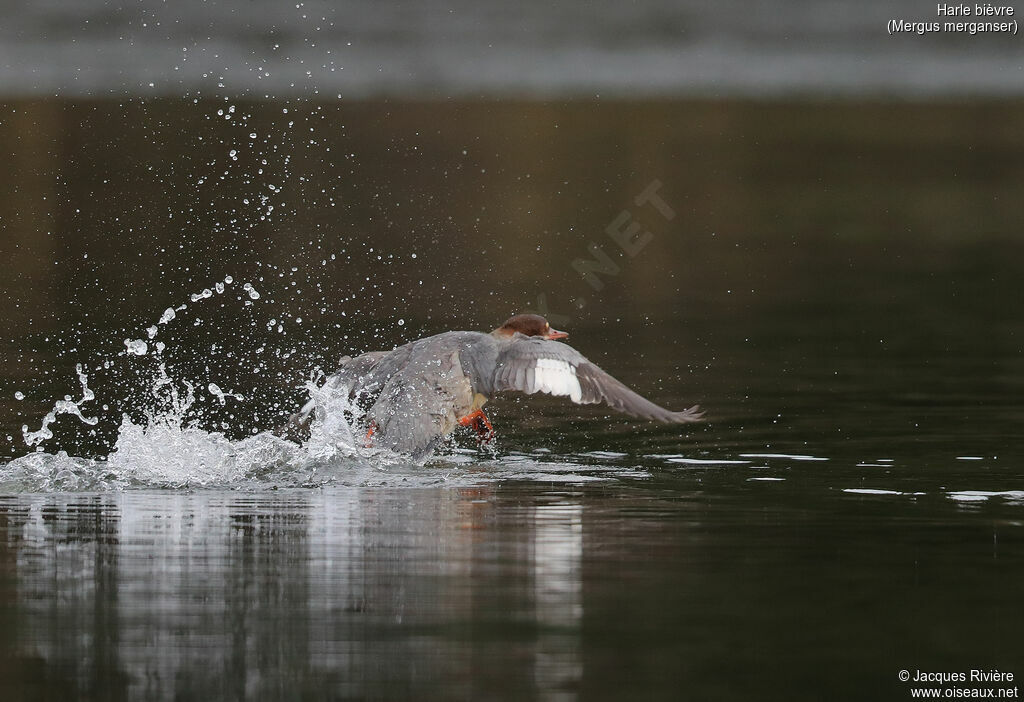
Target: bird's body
(420,392)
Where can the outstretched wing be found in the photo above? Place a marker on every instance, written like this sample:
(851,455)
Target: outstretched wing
(532,364)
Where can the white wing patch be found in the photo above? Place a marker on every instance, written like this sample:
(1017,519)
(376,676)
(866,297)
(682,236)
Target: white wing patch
(556,377)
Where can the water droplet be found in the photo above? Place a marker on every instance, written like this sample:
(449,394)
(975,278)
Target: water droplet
(19,395)
(138,347)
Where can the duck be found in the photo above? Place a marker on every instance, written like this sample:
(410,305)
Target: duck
(415,395)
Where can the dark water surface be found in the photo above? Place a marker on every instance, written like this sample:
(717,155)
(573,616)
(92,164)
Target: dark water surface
(838,286)
(694,583)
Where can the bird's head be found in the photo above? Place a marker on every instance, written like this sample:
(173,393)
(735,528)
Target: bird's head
(529,325)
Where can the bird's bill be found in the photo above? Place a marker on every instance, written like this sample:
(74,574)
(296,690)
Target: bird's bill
(555,334)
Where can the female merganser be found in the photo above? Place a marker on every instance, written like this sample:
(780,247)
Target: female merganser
(417,394)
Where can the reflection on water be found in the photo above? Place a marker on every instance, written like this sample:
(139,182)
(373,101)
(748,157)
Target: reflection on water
(135,596)
(695,585)
(558,590)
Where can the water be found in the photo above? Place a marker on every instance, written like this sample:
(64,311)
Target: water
(835,288)
(694,580)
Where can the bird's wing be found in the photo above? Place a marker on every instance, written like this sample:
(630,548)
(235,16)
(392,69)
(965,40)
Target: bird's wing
(420,404)
(532,364)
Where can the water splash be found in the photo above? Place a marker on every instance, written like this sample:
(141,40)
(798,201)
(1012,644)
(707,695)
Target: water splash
(330,416)
(171,453)
(168,449)
(171,403)
(136,347)
(65,406)
(221,395)
(47,472)
(164,450)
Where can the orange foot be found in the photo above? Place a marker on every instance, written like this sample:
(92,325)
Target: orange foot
(478,420)
(368,441)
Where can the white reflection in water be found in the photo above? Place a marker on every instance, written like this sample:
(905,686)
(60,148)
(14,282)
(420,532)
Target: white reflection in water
(1010,496)
(232,594)
(558,591)
(880,491)
(35,532)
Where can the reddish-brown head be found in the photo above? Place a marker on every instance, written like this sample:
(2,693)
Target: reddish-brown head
(529,325)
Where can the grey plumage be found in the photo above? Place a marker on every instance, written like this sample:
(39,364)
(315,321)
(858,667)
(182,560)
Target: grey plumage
(595,385)
(414,395)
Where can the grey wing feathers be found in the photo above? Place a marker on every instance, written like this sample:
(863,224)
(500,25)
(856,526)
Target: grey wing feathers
(530,365)
(417,406)
(602,387)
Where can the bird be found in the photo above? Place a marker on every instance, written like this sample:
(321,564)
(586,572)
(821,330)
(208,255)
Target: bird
(415,395)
